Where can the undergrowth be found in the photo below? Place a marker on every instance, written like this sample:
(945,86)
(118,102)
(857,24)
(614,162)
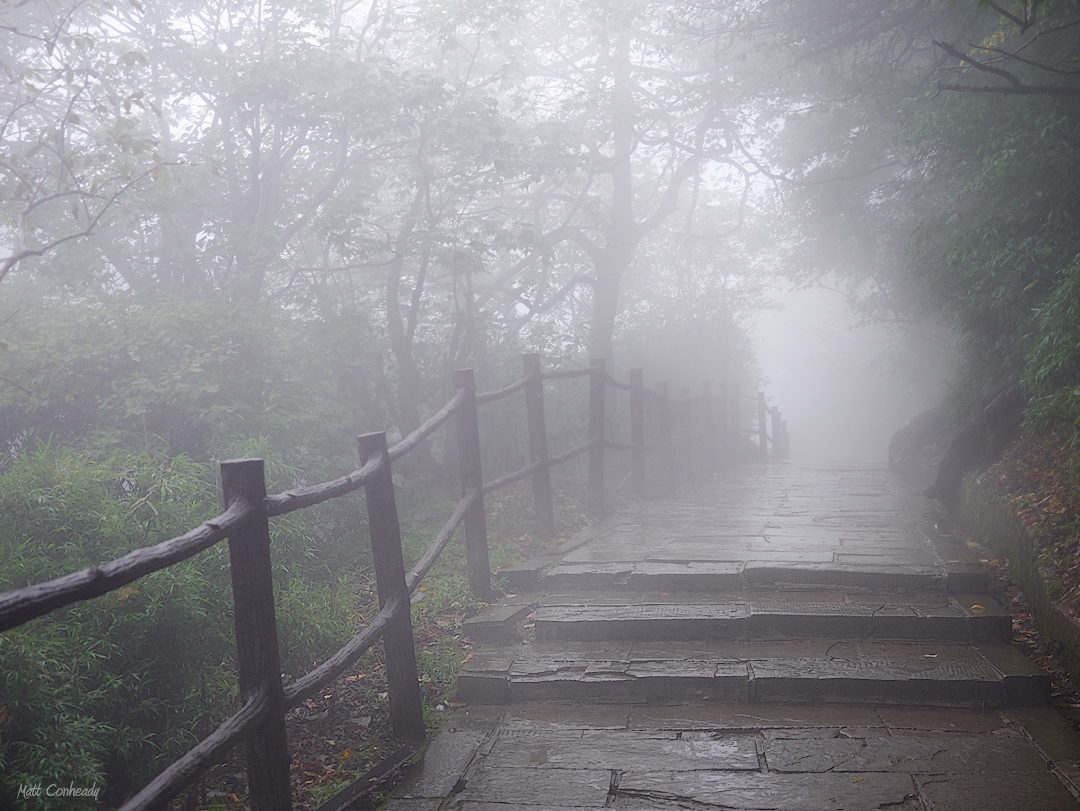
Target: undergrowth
(1040,474)
(106,692)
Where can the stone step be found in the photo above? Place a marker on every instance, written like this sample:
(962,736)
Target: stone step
(814,671)
(715,576)
(796,757)
(973,618)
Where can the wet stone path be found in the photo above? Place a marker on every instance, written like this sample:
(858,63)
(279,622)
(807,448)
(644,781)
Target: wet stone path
(782,638)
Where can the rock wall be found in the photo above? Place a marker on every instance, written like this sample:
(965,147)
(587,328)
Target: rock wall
(986,516)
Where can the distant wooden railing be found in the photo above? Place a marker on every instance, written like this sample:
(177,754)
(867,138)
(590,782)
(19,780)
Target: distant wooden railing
(701,424)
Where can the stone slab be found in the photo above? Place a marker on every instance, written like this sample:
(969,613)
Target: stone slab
(586,576)
(758,717)
(788,671)
(941,719)
(656,621)
(1012,790)
(498,623)
(566,717)
(622,750)
(870,576)
(771,617)
(1025,682)
(556,788)
(525,576)
(913,752)
(690,576)
(444,761)
(765,792)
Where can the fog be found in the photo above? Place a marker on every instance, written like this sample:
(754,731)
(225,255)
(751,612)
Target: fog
(844,388)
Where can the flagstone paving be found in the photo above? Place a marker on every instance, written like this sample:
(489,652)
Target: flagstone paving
(784,637)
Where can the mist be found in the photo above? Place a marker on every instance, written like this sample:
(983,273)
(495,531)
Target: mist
(260,229)
(845,386)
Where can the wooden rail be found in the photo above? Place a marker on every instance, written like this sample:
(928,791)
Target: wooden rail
(682,426)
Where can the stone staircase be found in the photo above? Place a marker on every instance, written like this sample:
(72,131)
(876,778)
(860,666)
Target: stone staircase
(735,603)
(783,639)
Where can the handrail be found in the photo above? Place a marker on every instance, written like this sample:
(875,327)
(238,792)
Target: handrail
(427,560)
(570,454)
(565,374)
(505,391)
(24,604)
(618,384)
(428,428)
(314,681)
(244,521)
(186,769)
(290,500)
(629,446)
(516,476)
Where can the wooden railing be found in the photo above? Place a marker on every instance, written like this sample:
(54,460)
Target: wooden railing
(689,442)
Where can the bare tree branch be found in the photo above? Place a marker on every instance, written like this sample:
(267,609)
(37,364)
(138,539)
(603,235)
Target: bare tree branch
(1015,86)
(19,255)
(1019,90)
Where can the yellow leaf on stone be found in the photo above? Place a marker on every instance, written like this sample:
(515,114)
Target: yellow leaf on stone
(857,779)
(978,607)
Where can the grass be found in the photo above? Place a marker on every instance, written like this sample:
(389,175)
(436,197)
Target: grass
(340,735)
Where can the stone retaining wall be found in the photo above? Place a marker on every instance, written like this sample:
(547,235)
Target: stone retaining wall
(986,516)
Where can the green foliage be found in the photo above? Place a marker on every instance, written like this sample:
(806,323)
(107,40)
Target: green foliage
(106,690)
(1052,374)
(101,689)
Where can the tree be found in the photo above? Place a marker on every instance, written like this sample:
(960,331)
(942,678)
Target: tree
(626,106)
(978,191)
(73,150)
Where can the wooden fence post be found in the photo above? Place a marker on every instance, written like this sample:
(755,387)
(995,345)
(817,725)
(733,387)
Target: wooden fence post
(763,428)
(686,437)
(774,424)
(597,389)
(663,415)
(781,449)
(637,431)
(736,414)
(538,448)
(472,477)
(257,657)
(403,684)
(724,439)
(708,427)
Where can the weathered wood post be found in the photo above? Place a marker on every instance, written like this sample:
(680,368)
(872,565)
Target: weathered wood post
(763,428)
(724,428)
(663,417)
(687,438)
(781,448)
(708,427)
(538,448)
(637,431)
(736,414)
(774,425)
(403,683)
(472,478)
(597,389)
(257,658)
